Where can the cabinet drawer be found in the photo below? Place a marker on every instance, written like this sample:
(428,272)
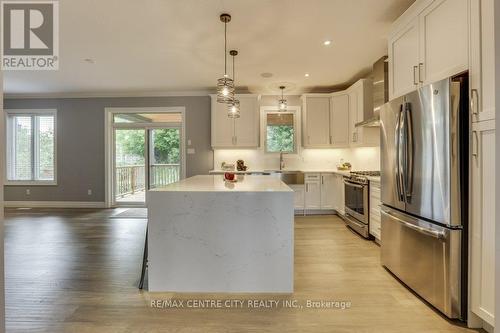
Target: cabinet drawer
(314,177)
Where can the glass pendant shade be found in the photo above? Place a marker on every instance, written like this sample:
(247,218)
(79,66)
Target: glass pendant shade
(225,90)
(282,103)
(233,109)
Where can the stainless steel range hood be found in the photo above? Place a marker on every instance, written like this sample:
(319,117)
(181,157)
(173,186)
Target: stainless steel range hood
(380,92)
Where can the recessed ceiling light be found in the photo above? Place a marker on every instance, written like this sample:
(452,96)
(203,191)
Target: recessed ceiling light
(266,75)
(306,74)
(327,42)
(89,60)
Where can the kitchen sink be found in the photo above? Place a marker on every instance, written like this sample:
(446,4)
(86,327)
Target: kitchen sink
(289,177)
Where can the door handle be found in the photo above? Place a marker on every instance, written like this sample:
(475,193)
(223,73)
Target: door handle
(474,106)
(420,65)
(399,189)
(409,153)
(475,144)
(352,184)
(422,230)
(415,82)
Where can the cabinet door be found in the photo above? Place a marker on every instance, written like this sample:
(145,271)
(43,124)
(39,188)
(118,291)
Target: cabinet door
(246,128)
(353,117)
(444,45)
(482,226)
(222,126)
(339,121)
(375,216)
(340,191)
(328,194)
(482,58)
(403,60)
(313,191)
(317,122)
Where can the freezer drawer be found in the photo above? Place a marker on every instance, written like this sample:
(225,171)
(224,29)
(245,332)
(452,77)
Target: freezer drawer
(426,257)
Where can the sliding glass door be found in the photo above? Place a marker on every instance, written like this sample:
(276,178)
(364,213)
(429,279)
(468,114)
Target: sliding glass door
(130,165)
(147,154)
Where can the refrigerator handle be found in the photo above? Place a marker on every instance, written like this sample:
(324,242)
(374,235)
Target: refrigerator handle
(398,155)
(426,231)
(408,177)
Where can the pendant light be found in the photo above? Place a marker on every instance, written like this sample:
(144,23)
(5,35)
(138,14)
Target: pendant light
(282,102)
(225,85)
(234,106)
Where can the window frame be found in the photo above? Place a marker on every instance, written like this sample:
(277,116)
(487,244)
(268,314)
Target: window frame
(295,110)
(9,148)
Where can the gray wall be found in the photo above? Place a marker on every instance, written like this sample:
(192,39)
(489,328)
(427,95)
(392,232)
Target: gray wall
(80,143)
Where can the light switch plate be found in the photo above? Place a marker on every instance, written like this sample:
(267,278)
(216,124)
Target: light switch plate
(191,151)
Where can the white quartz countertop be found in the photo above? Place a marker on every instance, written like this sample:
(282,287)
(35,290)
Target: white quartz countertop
(340,172)
(216,183)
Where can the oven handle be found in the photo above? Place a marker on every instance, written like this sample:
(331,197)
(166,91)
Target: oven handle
(353,184)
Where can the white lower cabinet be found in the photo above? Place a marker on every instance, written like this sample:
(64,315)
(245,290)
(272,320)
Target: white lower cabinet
(328,191)
(338,186)
(313,191)
(375,219)
(482,225)
(324,191)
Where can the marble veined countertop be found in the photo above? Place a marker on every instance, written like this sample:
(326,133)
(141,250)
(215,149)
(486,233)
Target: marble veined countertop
(250,171)
(216,183)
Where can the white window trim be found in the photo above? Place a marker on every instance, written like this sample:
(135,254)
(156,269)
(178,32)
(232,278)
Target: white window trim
(9,112)
(264,110)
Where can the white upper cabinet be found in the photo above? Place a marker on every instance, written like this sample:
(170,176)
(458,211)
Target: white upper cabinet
(329,119)
(443,40)
(222,126)
(316,121)
(339,120)
(246,128)
(482,60)
(403,60)
(428,43)
(241,132)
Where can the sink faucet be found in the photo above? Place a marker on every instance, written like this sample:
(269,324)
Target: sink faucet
(282,161)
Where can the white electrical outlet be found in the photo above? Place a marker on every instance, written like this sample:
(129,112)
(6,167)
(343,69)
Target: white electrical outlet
(189,142)
(28,192)
(89,192)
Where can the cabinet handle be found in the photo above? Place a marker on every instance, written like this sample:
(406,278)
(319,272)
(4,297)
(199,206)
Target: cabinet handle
(235,140)
(475,144)
(331,139)
(473,105)
(322,180)
(307,187)
(420,65)
(415,82)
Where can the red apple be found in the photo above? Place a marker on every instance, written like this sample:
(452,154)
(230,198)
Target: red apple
(229,176)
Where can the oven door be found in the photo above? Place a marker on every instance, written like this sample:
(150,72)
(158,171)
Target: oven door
(356,200)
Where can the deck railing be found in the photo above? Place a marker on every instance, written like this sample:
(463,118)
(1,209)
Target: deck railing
(131,178)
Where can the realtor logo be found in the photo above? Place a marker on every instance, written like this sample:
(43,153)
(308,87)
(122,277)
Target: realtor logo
(30,35)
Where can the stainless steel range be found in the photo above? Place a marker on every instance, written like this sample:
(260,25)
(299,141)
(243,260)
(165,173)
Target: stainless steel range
(357,205)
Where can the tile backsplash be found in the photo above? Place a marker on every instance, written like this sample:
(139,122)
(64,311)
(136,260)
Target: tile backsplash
(362,158)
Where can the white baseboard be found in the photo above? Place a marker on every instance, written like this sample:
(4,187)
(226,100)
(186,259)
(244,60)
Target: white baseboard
(55,204)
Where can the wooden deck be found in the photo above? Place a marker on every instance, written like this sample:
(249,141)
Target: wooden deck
(76,271)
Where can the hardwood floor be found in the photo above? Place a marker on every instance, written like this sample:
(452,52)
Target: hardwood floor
(76,271)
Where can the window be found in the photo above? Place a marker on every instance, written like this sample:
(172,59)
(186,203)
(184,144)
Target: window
(280,132)
(31,137)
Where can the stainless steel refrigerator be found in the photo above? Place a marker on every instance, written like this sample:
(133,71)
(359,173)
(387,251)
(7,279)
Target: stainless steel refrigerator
(424,174)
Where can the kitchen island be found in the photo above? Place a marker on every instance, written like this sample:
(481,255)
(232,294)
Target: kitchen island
(209,235)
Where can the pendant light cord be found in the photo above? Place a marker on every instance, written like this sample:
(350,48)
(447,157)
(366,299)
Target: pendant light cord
(225,49)
(234,77)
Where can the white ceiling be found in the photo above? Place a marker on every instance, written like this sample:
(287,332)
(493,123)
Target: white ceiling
(177,46)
